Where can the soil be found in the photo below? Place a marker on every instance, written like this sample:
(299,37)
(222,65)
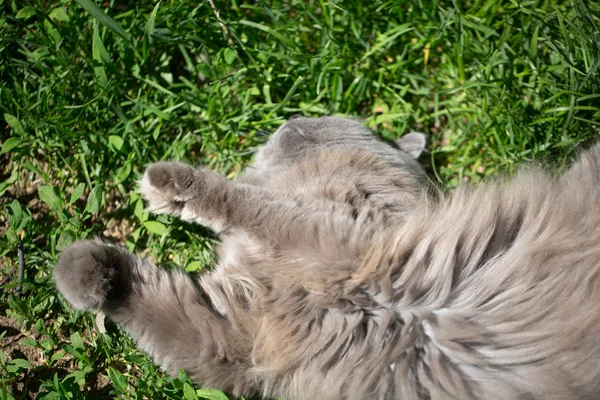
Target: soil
(29,383)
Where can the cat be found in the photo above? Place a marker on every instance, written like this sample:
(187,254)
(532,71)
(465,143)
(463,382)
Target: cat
(341,277)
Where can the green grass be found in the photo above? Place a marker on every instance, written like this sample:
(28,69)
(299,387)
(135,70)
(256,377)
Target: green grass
(89,99)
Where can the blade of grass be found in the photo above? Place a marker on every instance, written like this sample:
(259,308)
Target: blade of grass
(104,19)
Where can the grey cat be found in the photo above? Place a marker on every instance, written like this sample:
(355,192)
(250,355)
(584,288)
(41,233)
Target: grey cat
(339,278)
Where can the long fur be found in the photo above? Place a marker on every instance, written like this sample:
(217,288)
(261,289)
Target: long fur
(339,278)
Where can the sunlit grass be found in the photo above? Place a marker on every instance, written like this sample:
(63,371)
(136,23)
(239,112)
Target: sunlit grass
(90,94)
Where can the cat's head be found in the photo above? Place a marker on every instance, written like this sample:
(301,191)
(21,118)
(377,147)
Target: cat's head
(299,137)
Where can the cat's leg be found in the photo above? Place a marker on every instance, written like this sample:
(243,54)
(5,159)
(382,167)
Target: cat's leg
(164,311)
(169,187)
(206,197)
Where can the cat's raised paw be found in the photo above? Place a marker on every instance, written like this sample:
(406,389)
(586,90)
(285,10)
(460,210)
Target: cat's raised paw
(166,186)
(84,273)
(172,177)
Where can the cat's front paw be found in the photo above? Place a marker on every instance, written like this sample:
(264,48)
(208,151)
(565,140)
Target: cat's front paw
(84,273)
(167,186)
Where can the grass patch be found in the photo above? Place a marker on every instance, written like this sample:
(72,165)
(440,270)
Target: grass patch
(91,92)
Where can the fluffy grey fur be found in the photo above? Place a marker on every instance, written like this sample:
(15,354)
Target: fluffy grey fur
(339,279)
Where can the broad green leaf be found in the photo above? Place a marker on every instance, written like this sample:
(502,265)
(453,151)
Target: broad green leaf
(25,12)
(14,123)
(17,365)
(134,359)
(47,343)
(181,378)
(104,19)
(16,216)
(40,325)
(94,199)
(211,394)
(150,24)
(72,351)
(40,306)
(40,54)
(177,383)
(52,31)
(57,356)
(17,305)
(79,377)
(156,227)
(193,266)
(29,342)
(10,144)
(66,238)
(77,341)
(139,211)
(77,193)
(59,14)
(123,173)
(188,392)
(229,55)
(48,195)
(118,380)
(7,183)
(116,142)
(205,70)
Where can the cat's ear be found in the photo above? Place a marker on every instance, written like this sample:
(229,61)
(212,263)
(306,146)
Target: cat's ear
(412,143)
